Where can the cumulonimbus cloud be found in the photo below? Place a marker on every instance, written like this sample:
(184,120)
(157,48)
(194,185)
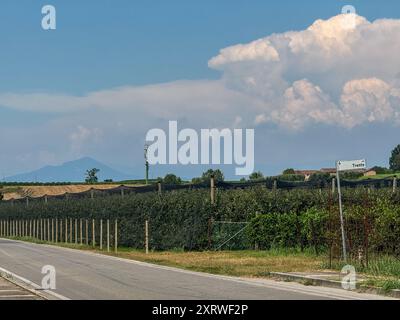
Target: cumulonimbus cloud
(332,73)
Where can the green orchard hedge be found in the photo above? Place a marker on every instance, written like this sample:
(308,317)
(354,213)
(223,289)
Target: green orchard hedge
(181,219)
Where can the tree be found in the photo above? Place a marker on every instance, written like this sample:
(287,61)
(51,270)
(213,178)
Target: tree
(288,171)
(256,176)
(217,174)
(291,177)
(172,179)
(351,175)
(91,175)
(381,170)
(320,178)
(197,180)
(394,160)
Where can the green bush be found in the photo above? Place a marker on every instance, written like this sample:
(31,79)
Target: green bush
(277,218)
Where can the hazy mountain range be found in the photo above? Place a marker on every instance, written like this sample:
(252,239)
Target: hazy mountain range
(72,171)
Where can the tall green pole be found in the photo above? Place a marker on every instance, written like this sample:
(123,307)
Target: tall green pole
(146,163)
(147,172)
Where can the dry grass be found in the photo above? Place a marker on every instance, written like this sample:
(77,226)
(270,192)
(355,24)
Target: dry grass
(234,263)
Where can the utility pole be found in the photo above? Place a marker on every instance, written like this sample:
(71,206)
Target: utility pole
(146,147)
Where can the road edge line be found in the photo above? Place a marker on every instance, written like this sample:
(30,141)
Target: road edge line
(30,286)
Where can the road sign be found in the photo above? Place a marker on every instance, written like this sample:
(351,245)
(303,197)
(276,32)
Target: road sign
(344,165)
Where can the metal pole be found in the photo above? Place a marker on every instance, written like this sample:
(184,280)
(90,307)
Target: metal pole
(341,215)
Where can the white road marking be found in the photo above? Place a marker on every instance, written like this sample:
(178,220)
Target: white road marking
(18,296)
(32,284)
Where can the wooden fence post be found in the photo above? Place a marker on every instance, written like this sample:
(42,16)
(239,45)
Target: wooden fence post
(159,188)
(108,235)
(101,234)
(116,236)
(80,230)
(70,231)
(147,236)
(87,232)
(66,230)
(61,230)
(212,190)
(56,230)
(76,231)
(333,185)
(394,184)
(93,234)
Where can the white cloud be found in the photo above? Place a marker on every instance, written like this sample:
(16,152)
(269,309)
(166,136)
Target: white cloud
(82,136)
(259,50)
(328,73)
(368,100)
(303,103)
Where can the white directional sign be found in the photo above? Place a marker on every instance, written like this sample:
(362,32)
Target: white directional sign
(344,165)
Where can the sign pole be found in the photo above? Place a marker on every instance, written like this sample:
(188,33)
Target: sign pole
(341,214)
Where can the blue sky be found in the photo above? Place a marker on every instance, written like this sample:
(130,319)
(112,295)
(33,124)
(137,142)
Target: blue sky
(102,45)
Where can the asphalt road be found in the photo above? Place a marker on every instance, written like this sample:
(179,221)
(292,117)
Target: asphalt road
(84,275)
(10,291)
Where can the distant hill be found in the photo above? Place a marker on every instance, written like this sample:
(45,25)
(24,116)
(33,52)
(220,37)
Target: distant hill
(72,171)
